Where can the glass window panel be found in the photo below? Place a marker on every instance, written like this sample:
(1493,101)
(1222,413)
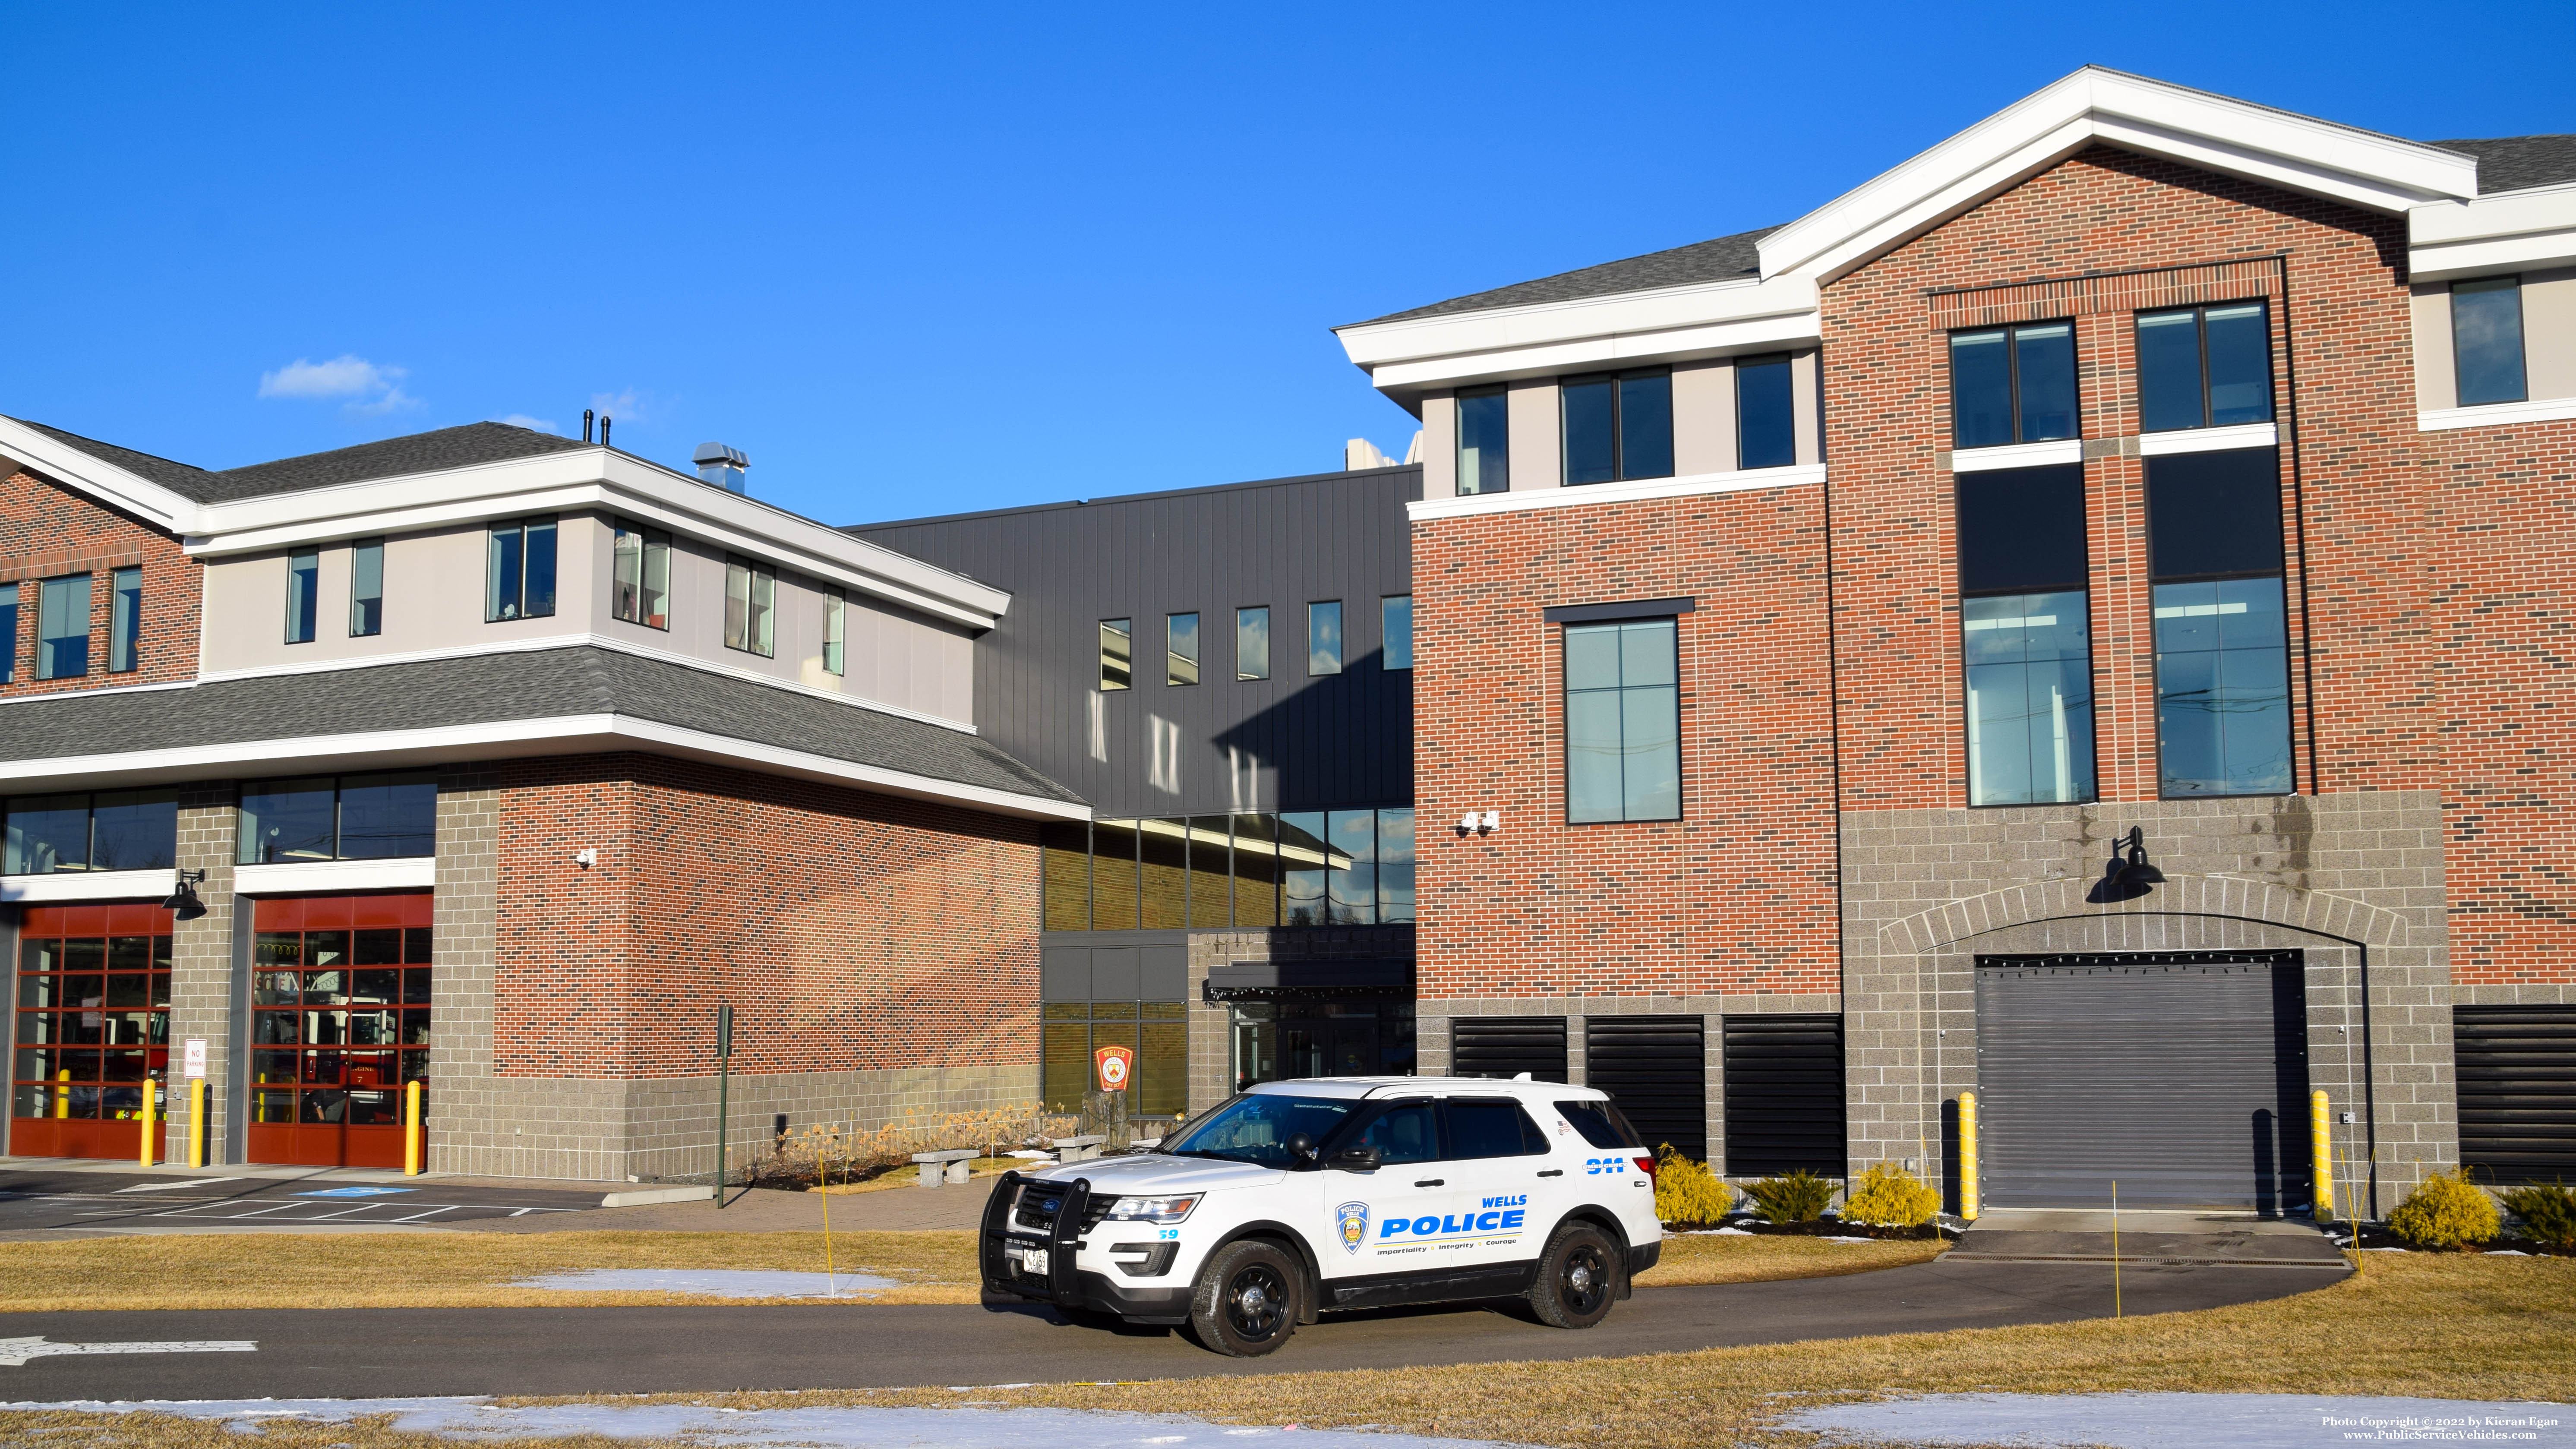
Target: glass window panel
(1593,791)
(1591,412)
(1252,643)
(62,628)
(367,587)
(2222,688)
(277,950)
(2169,392)
(1065,865)
(8,633)
(2030,709)
(1592,657)
(1646,426)
(2214,513)
(2240,365)
(1651,752)
(764,613)
(286,820)
(737,623)
(1766,428)
(1066,1076)
(1304,857)
(2022,529)
(1181,649)
(538,601)
(1113,1011)
(1163,847)
(656,608)
(1352,883)
(1211,881)
(1980,389)
(303,594)
(1409,1133)
(125,619)
(135,830)
(1117,654)
(416,945)
(1646,653)
(2044,358)
(386,816)
(1256,870)
(1163,1069)
(626,574)
(1488,1129)
(1113,875)
(835,621)
(1484,442)
(1324,637)
(2486,340)
(47,833)
(504,572)
(416,986)
(1395,631)
(376,947)
(1622,722)
(1394,867)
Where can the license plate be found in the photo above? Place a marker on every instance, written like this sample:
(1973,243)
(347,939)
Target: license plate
(1031,1262)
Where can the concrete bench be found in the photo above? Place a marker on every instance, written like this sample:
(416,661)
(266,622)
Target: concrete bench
(1079,1149)
(954,1165)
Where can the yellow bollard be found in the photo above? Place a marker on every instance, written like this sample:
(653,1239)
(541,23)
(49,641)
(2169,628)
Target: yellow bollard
(146,1117)
(1968,1156)
(63,1096)
(411,1129)
(2321,1156)
(197,1122)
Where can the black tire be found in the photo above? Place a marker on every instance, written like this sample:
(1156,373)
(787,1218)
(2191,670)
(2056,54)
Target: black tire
(1578,1277)
(1247,1299)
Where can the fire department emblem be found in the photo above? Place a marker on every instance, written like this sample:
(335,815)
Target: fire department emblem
(1353,1217)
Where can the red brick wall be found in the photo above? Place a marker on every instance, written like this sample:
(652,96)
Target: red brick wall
(1737,896)
(851,931)
(47,531)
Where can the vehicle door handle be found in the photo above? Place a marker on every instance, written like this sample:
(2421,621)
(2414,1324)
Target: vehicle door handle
(1433,1182)
(1553,1172)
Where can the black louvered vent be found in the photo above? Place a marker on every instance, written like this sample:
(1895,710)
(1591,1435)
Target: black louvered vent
(1656,1069)
(1505,1046)
(2517,1070)
(1784,1095)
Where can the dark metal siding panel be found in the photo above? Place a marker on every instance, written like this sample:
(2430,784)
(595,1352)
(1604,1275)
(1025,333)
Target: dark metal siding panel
(1505,1046)
(1656,1069)
(2181,1077)
(2517,1076)
(1784,1095)
(1337,740)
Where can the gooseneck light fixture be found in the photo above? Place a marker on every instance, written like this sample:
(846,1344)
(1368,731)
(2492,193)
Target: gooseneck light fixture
(2128,874)
(183,902)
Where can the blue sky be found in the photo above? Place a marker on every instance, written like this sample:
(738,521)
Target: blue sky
(916,263)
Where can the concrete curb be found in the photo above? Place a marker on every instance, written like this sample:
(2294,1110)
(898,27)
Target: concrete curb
(642,1196)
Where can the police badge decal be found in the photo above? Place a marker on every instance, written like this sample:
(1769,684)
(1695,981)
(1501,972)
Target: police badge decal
(1353,1219)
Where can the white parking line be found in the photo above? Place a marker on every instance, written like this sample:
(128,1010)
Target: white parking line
(183,1182)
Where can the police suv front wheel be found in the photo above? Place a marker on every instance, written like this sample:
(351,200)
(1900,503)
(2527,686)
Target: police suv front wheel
(1246,1302)
(1578,1277)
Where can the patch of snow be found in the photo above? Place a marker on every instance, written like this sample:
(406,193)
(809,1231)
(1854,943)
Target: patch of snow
(712,1282)
(1846,1240)
(2182,1421)
(1709,1233)
(1034,1156)
(478,1421)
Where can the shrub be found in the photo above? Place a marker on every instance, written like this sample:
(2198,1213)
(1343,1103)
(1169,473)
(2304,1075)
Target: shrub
(2446,1211)
(2548,1213)
(1887,1196)
(1686,1191)
(1795,1197)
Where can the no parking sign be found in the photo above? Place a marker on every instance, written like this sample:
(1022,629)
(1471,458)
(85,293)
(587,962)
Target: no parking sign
(1114,1064)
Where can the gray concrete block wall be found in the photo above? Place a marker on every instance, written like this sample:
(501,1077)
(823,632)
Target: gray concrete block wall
(203,976)
(470,1120)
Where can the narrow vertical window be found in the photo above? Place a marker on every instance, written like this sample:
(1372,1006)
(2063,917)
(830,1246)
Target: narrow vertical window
(1252,643)
(2486,340)
(519,570)
(640,576)
(1117,654)
(62,628)
(124,620)
(1622,722)
(2170,394)
(2238,343)
(1646,425)
(1394,867)
(540,600)
(1324,637)
(1395,631)
(2013,385)
(1484,442)
(836,608)
(1981,413)
(2025,636)
(1591,409)
(303,594)
(1181,648)
(2222,637)
(751,602)
(1618,427)
(2204,367)
(8,633)
(1766,428)
(1350,879)
(366,587)
(2044,381)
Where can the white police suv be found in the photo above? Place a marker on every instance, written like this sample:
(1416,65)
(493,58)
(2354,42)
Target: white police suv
(1330,1194)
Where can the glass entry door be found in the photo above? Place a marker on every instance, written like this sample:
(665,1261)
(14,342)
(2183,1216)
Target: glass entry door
(1293,1036)
(340,991)
(93,1025)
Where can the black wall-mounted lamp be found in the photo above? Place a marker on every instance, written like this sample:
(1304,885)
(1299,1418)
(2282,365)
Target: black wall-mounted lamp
(183,902)
(2128,874)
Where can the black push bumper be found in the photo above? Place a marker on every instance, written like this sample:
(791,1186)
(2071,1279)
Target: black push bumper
(1062,1284)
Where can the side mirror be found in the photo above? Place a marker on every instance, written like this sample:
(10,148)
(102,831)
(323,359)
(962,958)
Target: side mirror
(1302,1147)
(1362,1158)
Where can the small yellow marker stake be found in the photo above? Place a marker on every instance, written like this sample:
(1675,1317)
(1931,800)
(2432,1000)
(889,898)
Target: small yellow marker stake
(411,1129)
(2321,1148)
(831,1281)
(63,1096)
(2115,1249)
(197,1122)
(1968,1156)
(146,1116)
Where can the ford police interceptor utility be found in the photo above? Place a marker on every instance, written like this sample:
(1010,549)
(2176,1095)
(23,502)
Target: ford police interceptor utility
(1330,1194)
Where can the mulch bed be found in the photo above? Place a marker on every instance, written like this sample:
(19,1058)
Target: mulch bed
(2375,1236)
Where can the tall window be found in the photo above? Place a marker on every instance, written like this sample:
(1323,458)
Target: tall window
(1484,442)
(366,587)
(2012,385)
(111,830)
(1324,637)
(2024,636)
(8,633)
(62,628)
(124,620)
(1618,427)
(1252,643)
(1395,631)
(1766,426)
(1117,654)
(751,607)
(303,594)
(519,577)
(2222,639)
(2486,340)
(1181,648)
(836,608)
(1623,756)
(640,576)
(352,817)
(2205,367)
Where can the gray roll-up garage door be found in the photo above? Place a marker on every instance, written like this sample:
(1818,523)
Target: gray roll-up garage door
(2182,1076)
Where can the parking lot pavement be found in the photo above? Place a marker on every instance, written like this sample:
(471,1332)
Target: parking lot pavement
(42,1204)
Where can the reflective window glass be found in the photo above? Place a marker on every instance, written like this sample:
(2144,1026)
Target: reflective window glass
(1394,867)
(1490,1129)
(1164,874)
(1646,426)
(538,601)
(1324,637)
(47,833)
(2486,340)
(1305,858)
(388,816)
(1117,653)
(504,572)
(1395,631)
(1405,1133)
(1211,884)
(751,604)
(2169,387)
(1591,421)
(125,619)
(1981,399)
(283,820)
(1622,722)
(1351,884)
(1766,429)
(1065,865)
(2030,698)
(2044,374)
(1484,442)
(303,594)
(1252,643)
(135,830)
(8,633)
(1618,427)
(1256,870)
(1181,648)
(367,587)
(836,609)
(2222,688)
(2239,344)
(640,576)
(1113,875)
(62,628)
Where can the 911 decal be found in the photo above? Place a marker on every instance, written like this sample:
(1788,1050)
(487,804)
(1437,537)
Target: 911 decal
(1611,1166)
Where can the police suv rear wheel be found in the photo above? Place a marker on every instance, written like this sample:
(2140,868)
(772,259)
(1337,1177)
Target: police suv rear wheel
(1246,1302)
(1578,1277)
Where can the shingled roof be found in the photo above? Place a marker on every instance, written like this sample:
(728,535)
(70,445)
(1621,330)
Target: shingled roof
(2510,163)
(429,452)
(1720,259)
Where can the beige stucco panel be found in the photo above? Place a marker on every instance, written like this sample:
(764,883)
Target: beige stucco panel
(1537,459)
(1704,417)
(1805,407)
(2435,384)
(1440,445)
(2549,333)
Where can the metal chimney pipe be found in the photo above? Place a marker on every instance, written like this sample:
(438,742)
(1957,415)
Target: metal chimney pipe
(604,422)
(585,424)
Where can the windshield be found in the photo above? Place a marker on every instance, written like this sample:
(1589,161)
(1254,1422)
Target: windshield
(1256,1127)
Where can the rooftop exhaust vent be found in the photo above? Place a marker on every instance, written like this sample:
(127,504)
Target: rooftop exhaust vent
(721,466)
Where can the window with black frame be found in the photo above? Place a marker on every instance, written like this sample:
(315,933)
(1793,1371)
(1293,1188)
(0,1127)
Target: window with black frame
(1251,869)
(105,830)
(1623,748)
(1766,428)
(2486,341)
(125,621)
(2205,367)
(1484,442)
(62,627)
(519,570)
(2222,628)
(2013,385)
(2025,636)
(1618,427)
(346,817)
(640,575)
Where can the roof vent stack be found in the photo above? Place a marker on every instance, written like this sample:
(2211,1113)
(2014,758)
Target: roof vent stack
(720,466)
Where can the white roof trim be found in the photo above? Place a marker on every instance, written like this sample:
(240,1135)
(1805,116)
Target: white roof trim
(2509,231)
(287,877)
(58,460)
(87,885)
(1640,490)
